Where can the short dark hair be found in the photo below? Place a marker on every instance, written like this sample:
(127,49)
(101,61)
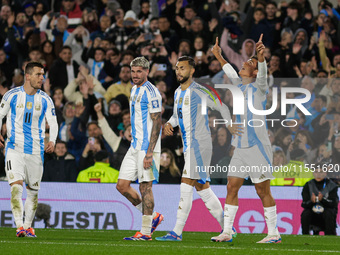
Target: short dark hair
(92,123)
(65,47)
(101,156)
(101,49)
(322,97)
(190,60)
(30,66)
(125,65)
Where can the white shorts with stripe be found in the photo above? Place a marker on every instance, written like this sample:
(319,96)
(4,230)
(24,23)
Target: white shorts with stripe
(197,162)
(132,167)
(24,167)
(254,162)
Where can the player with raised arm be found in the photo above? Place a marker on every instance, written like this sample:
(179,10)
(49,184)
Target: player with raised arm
(142,160)
(27,108)
(187,114)
(253,148)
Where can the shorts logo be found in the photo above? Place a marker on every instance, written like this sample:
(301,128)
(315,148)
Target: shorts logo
(36,184)
(29,105)
(11,176)
(155,104)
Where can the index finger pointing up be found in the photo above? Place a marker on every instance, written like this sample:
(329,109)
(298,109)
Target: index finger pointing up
(260,40)
(216,41)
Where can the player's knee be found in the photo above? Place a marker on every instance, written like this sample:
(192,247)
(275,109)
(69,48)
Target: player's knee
(231,190)
(121,187)
(261,193)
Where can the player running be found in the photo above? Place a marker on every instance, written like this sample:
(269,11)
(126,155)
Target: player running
(187,114)
(142,160)
(253,148)
(27,108)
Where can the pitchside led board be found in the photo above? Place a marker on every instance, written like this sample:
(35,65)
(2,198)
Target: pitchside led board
(100,206)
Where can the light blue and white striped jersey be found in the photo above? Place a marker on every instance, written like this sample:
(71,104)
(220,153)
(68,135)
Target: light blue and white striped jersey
(257,135)
(187,113)
(143,101)
(25,123)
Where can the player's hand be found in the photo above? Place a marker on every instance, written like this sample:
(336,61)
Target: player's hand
(216,49)
(320,196)
(260,49)
(147,162)
(168,129)
(50,147)
(2,142)
(236,129)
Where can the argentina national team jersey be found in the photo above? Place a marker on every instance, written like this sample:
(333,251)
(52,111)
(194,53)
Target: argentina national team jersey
(26,115)
(253,132)
(194,125)
(144,100)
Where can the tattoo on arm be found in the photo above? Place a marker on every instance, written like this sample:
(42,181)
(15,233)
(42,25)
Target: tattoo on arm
(156,127)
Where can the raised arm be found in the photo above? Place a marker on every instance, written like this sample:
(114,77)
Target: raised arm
(261,79)
(227,68)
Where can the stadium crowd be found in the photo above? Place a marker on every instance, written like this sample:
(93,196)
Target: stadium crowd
(86,47)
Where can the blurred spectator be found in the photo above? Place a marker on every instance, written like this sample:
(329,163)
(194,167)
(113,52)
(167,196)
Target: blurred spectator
(142,10)
(72,11)
(78,40)
(100,172)
(294,173)
(64,69)
(104,25)
(320,203)
(119,144)
(121,87)
(279,158)
(169,172)
(248,50)
(283,138)
(48,53)
(62,168)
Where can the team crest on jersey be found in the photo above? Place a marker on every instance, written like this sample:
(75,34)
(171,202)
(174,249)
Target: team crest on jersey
(2,105)
(20,106)
(138,99)
(176,101)
(37,107)
(155,104)
(180,100)
(186,100)
(134,98)
(29,105)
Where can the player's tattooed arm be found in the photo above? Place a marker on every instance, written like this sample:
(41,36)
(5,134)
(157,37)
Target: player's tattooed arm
(156,127)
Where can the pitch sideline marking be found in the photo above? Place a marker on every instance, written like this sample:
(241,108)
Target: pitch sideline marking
(168,246)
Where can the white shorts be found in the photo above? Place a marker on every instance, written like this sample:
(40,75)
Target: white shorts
(24,167)
(132,167)
(197,161)
(254,162)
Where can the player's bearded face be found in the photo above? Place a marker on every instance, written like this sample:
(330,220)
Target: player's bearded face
(139,75)
(37,77)
(182,72)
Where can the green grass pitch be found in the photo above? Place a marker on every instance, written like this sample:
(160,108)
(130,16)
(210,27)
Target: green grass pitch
(73,241)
